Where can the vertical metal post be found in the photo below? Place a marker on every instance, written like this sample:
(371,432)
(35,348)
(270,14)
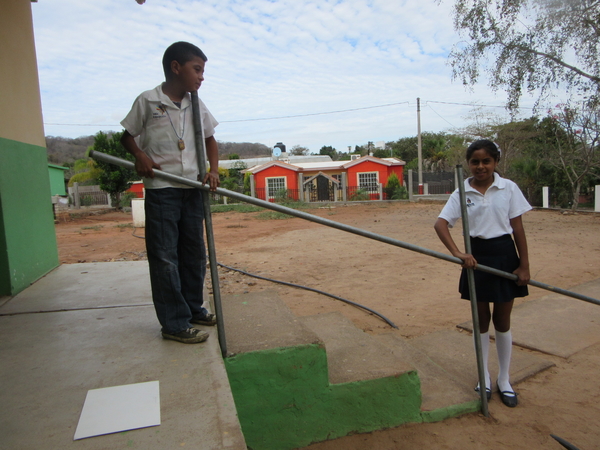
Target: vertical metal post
(472,293)
(419,147)
(76,198)
(210,242)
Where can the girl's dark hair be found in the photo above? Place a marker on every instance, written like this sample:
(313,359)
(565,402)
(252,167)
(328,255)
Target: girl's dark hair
(484,144)
(181,52)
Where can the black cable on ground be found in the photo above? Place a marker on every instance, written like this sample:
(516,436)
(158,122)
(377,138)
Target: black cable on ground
(389,322)
(564,443)
(358,305)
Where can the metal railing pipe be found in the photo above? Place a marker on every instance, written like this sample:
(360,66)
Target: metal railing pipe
(340,226)
(210,241)
(473,296)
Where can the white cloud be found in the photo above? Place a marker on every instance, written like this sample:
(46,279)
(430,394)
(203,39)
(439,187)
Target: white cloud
(266,59)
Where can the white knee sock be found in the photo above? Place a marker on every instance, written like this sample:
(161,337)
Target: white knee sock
(485,352)
(504,348)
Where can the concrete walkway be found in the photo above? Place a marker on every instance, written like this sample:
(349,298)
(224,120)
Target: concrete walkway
(89,326)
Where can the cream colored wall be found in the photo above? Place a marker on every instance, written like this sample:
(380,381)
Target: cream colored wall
(20,103)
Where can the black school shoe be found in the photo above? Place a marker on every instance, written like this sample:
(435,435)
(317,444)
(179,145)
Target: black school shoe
(208,320)
(189,336)
(488,392)
(509,398)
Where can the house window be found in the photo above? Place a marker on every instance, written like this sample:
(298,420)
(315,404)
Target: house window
(368,181)
(275,186)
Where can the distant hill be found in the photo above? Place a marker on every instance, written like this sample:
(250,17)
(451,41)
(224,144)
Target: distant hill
(66,150)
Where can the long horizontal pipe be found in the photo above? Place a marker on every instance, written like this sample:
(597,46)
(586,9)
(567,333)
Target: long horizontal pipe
(340,226)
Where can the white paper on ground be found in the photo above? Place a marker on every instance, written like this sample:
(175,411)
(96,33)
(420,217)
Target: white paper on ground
(119,408)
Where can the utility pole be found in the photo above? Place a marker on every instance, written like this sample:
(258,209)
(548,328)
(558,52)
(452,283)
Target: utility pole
(419,148)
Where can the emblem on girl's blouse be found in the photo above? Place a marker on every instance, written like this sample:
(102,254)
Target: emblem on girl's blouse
(470,203)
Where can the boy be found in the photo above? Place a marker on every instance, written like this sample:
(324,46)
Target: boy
(159,133)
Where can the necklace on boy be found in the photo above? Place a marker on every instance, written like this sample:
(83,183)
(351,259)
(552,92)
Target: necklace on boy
(180,142)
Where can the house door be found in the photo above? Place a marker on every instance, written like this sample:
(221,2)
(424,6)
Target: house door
(323,194)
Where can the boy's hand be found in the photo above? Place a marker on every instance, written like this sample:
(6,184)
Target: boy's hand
(144,166)
(212,179)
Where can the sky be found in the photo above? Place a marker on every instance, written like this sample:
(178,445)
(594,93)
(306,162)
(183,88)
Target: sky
(311,73)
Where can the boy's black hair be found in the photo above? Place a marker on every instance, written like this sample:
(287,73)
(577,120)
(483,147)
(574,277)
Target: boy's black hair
(181,52)
(484,144)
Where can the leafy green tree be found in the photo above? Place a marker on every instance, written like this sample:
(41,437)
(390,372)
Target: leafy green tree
(328,150)
(113,179)
(86,172)
(514,138)
(404,148)
(235,171)
(529,45)
(394,189)
(234,156)
(247,188)
(381,153)
(573,146)
(360,150)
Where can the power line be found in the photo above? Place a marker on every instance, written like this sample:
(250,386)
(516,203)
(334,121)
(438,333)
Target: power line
(444,119)
(315,114)
(304,115)
(84,124)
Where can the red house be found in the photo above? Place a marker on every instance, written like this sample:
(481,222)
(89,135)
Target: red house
(360,179)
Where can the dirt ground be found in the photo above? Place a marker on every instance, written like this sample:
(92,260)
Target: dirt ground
(416,292)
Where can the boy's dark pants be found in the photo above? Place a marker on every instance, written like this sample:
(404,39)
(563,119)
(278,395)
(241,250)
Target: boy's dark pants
(176,255)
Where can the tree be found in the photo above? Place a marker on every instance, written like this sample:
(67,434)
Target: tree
(394,189)
(113,179)
(528,45)
(235,178)
(381,153)
(404,148)
(328,150)
(299,151)
(86,172)
(573,140)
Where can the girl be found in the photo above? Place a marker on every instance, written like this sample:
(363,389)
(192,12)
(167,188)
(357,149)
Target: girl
(494,206)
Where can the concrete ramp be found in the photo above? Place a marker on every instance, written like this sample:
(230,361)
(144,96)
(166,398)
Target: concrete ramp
(556,324)
(439,387)
(301,380)
(454,352)
(352,354)
(261,321)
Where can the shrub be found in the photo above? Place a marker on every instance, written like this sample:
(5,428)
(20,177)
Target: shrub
(125,200)
(360,195)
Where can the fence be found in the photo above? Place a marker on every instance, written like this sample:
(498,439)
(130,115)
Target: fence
(437,182)
(361,193)
(88,196)
(277,196)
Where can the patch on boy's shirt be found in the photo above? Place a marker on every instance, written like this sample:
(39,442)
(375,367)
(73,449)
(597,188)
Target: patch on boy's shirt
(469,202)
(159,113)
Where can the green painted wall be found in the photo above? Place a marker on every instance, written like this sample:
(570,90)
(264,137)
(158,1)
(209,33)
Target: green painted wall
(57,179)
(284,399)
(28,247)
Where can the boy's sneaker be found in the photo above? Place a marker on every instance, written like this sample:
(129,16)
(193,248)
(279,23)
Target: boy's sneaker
(209,320)
(189,336)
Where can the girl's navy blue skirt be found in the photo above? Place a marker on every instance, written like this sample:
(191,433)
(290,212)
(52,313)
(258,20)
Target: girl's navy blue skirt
(499,253)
